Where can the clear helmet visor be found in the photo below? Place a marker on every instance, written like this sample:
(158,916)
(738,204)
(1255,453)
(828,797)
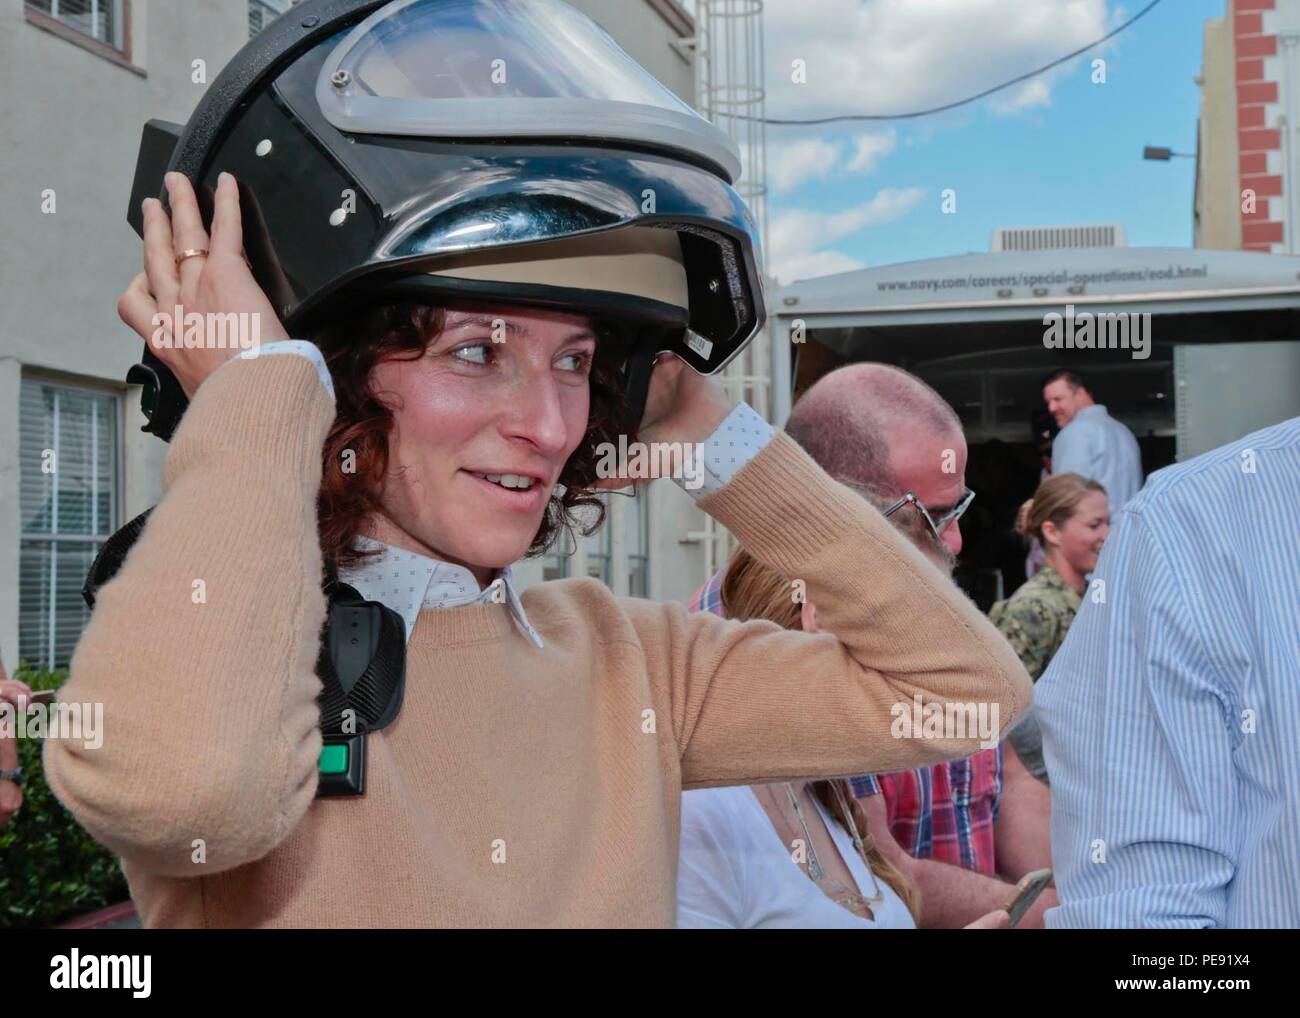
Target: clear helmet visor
(503,69)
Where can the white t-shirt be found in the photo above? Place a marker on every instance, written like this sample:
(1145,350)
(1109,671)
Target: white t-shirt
(735,872)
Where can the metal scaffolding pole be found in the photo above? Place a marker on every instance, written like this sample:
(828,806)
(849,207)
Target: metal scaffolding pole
(729,64)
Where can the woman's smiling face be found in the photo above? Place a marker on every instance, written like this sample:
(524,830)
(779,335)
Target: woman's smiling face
(500,391)
(1081,536)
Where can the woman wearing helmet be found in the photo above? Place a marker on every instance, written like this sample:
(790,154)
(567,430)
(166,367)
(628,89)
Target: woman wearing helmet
(443,423)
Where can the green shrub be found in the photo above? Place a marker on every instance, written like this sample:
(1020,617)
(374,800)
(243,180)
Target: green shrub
(50,869)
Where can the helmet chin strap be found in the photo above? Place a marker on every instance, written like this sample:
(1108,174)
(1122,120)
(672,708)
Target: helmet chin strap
(640,366)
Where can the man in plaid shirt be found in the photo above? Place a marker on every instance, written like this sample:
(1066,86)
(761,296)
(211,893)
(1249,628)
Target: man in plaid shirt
(964,830)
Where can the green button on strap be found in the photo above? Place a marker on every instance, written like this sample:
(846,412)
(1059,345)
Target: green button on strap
(333,759)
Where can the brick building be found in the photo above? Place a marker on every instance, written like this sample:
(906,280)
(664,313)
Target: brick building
(1247,172)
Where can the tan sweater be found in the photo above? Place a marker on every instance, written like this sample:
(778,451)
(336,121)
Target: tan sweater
(519,786)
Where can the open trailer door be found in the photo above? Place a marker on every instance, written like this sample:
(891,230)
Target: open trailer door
(1223,391)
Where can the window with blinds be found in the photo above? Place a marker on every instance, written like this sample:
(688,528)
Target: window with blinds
(555,564)
(637,543)
(70,490)
(633,515)
(99,19)
(599,545)
(262,12)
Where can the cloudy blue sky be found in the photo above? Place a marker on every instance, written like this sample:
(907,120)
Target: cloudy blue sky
(1057,150)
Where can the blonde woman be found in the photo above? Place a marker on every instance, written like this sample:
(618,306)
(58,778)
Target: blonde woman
(1070,517)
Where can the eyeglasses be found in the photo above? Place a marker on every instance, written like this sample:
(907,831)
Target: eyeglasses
(938,526)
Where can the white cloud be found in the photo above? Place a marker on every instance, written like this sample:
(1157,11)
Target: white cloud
(891,56)
(1026,95)
(798,237)
(810,264)
(793,163)
(789,165)
(868,148)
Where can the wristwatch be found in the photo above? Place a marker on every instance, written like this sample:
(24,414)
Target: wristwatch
(15,775)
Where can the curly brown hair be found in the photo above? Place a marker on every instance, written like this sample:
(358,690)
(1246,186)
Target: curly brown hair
(354,344)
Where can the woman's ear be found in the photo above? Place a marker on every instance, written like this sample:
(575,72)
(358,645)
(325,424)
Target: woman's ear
(808,618)
(1051,534)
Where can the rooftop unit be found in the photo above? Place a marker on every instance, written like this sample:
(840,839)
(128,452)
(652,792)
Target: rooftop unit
(1056,238)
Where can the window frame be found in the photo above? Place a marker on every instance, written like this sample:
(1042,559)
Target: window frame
(640,508)
(604,539)
(280,7)
(121,56)
(48,657)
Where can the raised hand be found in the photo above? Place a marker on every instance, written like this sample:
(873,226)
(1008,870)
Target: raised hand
(681,406)
(215,285)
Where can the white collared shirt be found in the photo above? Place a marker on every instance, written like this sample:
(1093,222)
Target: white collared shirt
(408,582)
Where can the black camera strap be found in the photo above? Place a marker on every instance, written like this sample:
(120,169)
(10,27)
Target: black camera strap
(362,666)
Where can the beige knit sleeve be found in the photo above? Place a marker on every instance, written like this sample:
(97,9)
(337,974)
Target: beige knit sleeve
(203,648)
(753,702)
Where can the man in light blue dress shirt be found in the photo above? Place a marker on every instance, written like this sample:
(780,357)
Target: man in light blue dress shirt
(1091,442)
(1172,712)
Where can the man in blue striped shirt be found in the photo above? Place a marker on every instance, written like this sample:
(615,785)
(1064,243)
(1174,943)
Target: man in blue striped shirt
(1172,711)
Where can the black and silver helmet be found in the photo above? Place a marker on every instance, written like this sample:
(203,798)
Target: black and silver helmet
(506,150)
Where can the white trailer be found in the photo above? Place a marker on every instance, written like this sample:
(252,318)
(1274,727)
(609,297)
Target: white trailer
(1223,357)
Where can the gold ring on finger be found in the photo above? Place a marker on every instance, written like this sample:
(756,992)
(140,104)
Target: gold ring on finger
(193,252)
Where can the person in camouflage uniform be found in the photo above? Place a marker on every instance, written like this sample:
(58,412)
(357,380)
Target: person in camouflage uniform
(1070,517)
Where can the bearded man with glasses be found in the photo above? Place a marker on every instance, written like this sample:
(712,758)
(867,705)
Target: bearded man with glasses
(964,831)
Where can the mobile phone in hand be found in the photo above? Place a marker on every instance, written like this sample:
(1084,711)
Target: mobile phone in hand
(1027,891)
